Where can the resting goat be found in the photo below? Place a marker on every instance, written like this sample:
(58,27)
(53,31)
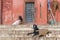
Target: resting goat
(39,32)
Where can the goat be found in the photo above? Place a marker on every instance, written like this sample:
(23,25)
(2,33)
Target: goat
(41,32)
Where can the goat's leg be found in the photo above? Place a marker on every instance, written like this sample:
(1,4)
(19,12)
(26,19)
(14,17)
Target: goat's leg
(36,33)
(30,33)
(41,35)
(48,32)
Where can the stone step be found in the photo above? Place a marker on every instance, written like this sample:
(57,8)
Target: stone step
(24,29)
(19,32)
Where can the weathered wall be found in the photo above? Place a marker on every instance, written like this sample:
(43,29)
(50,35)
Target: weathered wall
(0,11)
(58,12)
(41,11)
(7,12)
(18,9)
(14,8)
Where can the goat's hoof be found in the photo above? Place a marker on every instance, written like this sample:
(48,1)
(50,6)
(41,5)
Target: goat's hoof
(41,35)
(27,34)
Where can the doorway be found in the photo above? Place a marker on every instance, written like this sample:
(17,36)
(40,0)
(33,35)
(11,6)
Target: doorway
(29,12)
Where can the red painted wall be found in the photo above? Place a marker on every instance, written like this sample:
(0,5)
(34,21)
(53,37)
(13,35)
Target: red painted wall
(0,11)
(14,8)
(58,12)
(18,9)
(19,6)
(7,12)
(43,18)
